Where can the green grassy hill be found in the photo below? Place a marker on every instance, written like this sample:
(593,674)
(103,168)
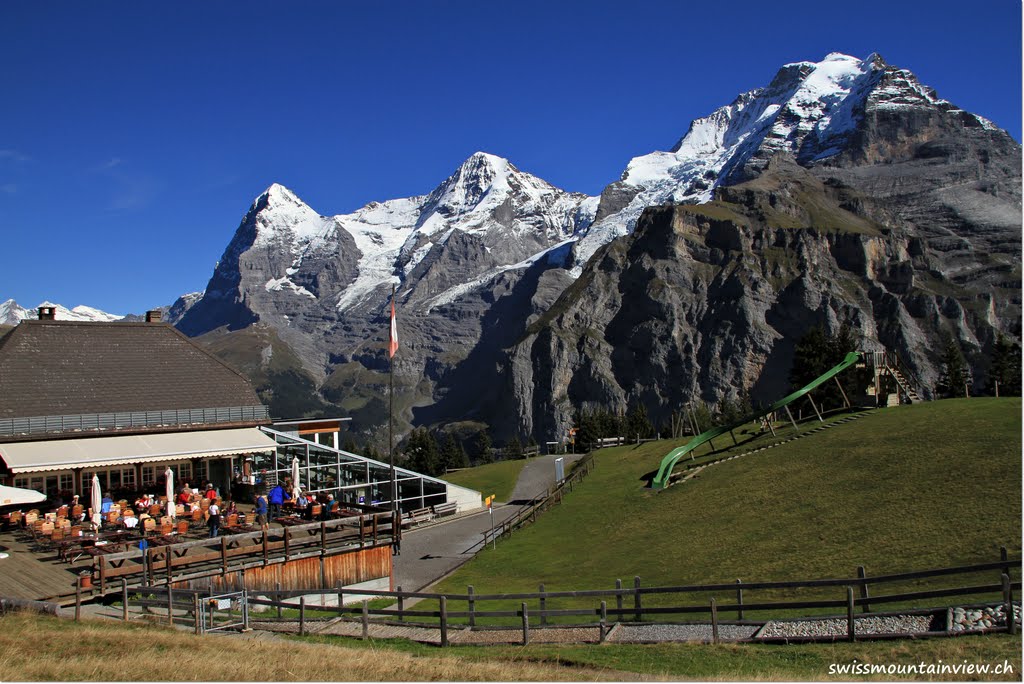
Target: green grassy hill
(493,478)
(906,488)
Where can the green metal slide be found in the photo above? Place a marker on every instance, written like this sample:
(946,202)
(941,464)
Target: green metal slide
(669,462)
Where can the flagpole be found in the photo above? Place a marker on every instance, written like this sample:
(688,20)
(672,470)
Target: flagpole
(391,407)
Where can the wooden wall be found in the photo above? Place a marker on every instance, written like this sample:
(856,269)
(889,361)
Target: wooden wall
(306,573)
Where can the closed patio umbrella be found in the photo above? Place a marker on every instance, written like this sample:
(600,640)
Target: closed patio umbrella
(96,499)
(296,486)
(169,476)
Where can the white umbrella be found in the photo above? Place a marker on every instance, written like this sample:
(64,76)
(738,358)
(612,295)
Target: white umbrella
(16,496)
(169,476)
(296,488)
(97,501)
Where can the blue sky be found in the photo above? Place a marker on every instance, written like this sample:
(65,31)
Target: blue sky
(134,136)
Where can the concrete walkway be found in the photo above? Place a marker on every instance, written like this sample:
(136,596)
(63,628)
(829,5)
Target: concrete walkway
(433,551)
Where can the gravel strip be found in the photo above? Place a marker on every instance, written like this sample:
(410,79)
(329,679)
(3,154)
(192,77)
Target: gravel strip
(651,633)
(895,624)
(560,635)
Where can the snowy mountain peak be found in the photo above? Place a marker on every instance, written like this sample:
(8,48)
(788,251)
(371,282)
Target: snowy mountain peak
(12,314)
(280,216)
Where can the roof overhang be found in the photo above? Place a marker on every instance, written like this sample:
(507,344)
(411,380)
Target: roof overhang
(99,452)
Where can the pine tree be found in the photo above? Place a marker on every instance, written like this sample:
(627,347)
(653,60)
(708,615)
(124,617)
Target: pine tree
(421,452)
(1004,369)
(482,447)
(452,454)
(955,377)
(637,422)
(514,449)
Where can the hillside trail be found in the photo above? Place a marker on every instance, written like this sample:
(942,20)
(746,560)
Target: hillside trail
(433,551)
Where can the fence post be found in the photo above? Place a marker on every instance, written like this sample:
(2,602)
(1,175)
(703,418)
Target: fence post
(1011,626)
(714,621)
(618,598)
(366,619)
(78,598)
(170,601)
(604,621)
(637,607)
(444,621)
(245,606)
(1004,556)
(223,556)
(864,594)
(195,613)
(850,624)
(302,616)
(472,606)
(124,599)
(279,600)
(543,605)
(739,599)
(526,625)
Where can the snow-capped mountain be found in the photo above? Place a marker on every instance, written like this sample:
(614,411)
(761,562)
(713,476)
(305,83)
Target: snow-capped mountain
(484,256)
(12,314)
(811,110)
(334,265)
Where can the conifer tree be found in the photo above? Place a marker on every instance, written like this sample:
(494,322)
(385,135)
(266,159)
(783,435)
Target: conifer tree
(955,376)
(1004,369)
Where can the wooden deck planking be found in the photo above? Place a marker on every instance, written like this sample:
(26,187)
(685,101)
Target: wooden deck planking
(27,574)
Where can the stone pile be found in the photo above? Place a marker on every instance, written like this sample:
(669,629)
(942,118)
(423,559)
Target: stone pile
(985,617)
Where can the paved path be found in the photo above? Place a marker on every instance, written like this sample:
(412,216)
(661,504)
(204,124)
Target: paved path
(431,552)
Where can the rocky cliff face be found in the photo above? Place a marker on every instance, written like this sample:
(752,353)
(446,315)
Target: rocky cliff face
(703,301)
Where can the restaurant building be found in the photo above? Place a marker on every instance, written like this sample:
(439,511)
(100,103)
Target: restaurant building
(126,401)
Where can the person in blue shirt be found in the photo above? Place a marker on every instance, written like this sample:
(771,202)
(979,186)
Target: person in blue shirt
(105,504)
(261,511)
(278,495)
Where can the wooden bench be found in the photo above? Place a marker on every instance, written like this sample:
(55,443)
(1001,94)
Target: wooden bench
(417,516)
(446,508)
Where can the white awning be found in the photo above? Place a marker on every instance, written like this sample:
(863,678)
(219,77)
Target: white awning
(98,452)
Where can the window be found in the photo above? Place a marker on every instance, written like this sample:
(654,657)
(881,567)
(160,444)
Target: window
(148,475)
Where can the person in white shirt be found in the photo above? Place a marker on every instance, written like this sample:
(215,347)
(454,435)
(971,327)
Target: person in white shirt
(214,520)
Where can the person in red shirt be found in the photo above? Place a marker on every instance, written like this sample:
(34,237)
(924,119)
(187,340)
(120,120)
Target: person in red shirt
(211,493)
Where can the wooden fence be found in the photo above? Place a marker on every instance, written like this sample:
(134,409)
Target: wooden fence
(544,501)
(622,604)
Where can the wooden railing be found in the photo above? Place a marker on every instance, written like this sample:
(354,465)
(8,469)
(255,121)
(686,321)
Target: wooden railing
(233,552)
(610,605)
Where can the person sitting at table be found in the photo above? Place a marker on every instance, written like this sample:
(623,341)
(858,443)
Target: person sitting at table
(211,493)
(328,507)
(105,504)
(184,495)
(230,508)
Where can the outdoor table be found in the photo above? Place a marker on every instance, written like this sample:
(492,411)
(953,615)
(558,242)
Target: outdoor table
(105,548)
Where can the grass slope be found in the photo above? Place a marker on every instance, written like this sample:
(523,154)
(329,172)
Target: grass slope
(492,478)
(906,488)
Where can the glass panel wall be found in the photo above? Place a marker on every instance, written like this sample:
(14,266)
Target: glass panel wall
(349,477)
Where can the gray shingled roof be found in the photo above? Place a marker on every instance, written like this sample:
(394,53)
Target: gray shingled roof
(69,368)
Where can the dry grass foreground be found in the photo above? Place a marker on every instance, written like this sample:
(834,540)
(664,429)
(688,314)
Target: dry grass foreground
(42,648)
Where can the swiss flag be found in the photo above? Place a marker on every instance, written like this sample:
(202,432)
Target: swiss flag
(393,333)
